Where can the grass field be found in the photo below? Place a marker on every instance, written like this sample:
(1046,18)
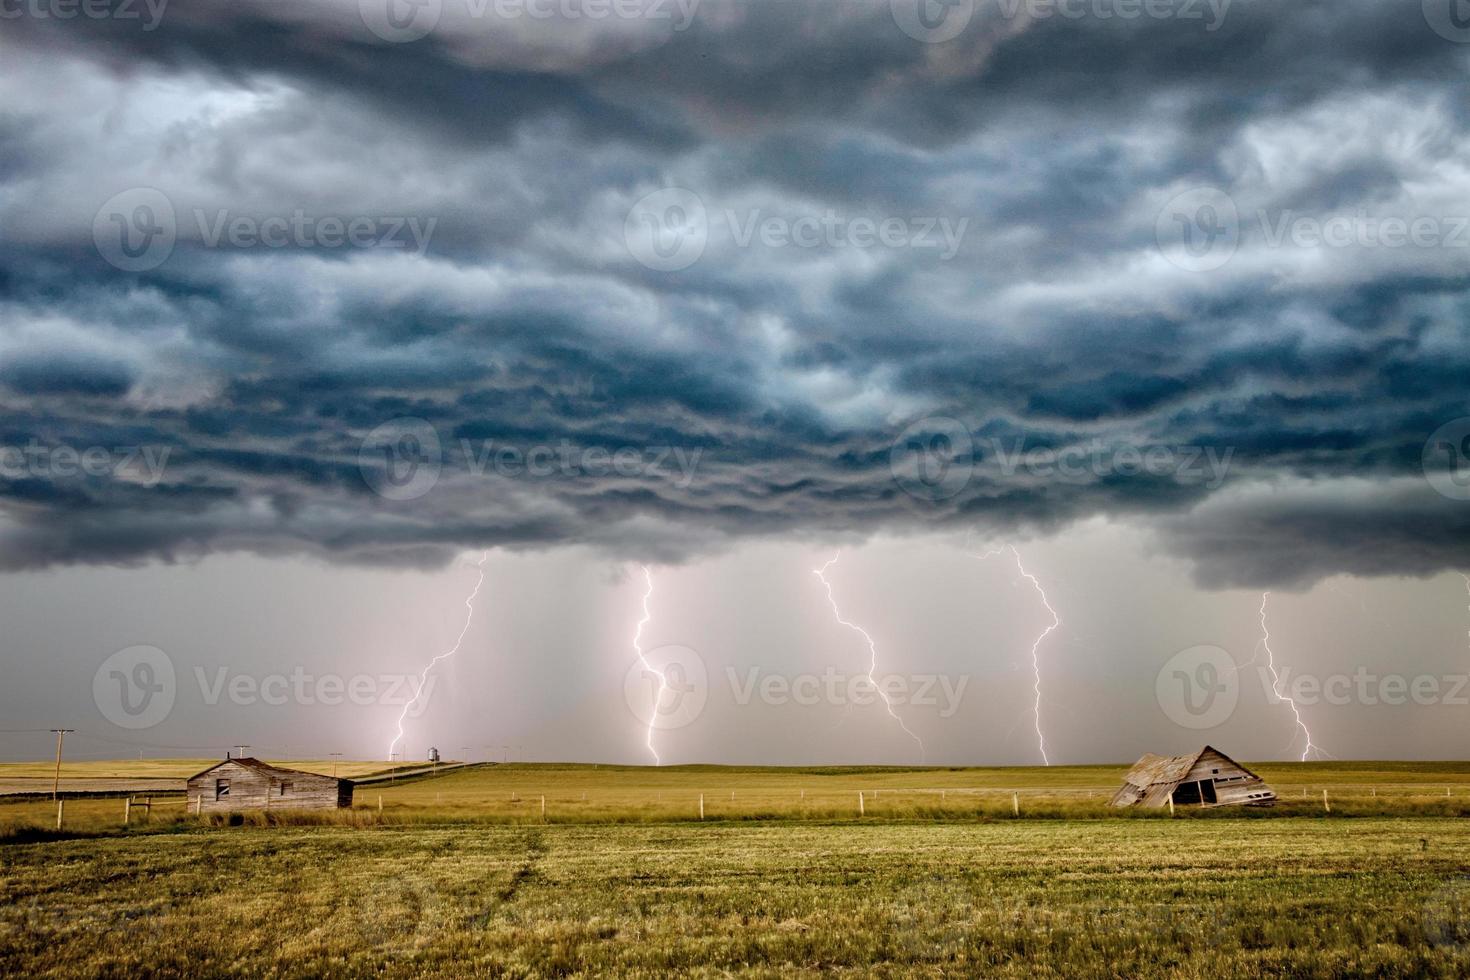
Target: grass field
(460,876)
(1237,898)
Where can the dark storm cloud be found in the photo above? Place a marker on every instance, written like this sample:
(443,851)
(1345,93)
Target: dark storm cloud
(1291,536)
(39,374)
(762,388)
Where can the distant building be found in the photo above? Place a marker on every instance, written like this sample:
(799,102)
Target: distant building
(434,756)
(249,784)
(1208,778)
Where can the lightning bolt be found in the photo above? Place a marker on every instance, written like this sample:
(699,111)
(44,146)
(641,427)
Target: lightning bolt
(1276,678)
(1056,622)
(821,573)
(663,682)
(469,605)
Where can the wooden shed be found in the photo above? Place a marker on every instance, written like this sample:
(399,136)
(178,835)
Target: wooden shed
(249,784)
(1208,778)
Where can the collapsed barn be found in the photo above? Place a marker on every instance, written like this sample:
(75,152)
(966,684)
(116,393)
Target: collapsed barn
(1208,778)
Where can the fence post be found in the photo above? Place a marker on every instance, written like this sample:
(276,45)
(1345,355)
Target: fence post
(1325,805)
(127,810)
(701,806)
(543,809)
(1171,805)
(1016,804)
(380,803)
(60,808)
(862,810)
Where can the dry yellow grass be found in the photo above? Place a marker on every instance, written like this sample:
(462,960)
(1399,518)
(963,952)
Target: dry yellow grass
(1236,898)
(458,875)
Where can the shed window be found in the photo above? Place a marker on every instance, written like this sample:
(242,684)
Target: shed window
(285,787)
(221,789)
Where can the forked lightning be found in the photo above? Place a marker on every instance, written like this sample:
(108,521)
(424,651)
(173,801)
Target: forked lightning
(469,605)
(821,573)
(663,682)
(1056,622)
(1276,679)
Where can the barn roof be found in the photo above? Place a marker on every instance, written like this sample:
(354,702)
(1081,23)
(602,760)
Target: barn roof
(1154,769)
(263,768)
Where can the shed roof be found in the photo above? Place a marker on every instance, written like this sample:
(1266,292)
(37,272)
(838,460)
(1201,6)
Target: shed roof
(265,769)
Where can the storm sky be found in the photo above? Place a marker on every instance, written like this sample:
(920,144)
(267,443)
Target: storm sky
(305,303)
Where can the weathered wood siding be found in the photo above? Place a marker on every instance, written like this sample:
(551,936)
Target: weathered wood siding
(1213,765)
(276,789)
(1233,785)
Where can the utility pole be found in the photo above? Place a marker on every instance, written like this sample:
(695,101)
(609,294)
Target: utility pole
(240,751)
(335,756)
(60,734)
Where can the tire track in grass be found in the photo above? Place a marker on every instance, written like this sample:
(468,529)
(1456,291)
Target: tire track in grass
(535,851)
